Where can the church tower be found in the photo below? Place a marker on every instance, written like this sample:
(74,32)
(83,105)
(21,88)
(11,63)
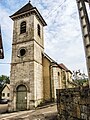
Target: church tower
(26,75)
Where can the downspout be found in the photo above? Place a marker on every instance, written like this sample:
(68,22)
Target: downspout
(50,71)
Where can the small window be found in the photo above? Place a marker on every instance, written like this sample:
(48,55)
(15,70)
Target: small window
(22,52)
(58,74)
(23,27)
(3,94)
(8,94)
(38,30)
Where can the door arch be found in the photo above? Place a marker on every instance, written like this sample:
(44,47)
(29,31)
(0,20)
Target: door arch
(21,97)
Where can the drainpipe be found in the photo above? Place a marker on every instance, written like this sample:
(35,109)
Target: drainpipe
(50,71)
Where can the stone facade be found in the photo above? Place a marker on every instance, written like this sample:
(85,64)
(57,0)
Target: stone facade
(27,70)
(55,77)
(61,78)
(34,75)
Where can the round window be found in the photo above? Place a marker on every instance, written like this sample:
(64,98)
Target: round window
(22,52)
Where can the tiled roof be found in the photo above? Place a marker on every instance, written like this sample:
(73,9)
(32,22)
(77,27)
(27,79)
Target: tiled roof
(27,9)
(63,66)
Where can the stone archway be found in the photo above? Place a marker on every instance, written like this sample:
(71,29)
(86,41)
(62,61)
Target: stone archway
(21,97)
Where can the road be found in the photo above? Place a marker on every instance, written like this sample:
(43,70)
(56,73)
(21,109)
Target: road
(44,113)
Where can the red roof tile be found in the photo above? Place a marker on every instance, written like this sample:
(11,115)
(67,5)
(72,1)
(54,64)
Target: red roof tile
(63,66)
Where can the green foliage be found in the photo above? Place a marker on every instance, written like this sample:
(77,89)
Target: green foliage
(4,79)
(82,82)
(80,78)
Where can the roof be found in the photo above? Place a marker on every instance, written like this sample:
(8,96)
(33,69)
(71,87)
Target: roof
(6,85)
(1,46)
(64,67)
(27,9)
(1,89)
(49,58)
(54,64)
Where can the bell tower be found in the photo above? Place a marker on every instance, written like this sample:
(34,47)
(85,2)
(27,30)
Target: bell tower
(26,67)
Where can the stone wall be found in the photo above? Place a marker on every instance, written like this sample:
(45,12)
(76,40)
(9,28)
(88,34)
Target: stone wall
(73,103)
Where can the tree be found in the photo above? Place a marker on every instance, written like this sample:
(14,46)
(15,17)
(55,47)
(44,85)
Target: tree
(80,78)
(4,79)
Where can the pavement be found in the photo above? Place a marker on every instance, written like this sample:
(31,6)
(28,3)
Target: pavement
(48,112)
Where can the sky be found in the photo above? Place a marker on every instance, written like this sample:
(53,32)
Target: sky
(62,36)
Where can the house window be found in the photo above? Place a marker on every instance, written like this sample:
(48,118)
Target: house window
(8,94)
(3,94)
(38,30)
(23,27)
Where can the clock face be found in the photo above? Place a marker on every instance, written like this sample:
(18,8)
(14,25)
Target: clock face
(22,52)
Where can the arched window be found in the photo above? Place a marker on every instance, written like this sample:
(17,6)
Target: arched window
(38,30)
(23,27)
(58,74)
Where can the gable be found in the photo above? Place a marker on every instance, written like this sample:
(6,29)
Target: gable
(6,88)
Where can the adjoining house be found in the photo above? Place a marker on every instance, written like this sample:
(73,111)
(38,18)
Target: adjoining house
(34,75)
(6,92)
(1,46)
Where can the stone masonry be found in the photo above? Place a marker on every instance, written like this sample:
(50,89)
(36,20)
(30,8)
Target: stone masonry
(73,104)
(27,71)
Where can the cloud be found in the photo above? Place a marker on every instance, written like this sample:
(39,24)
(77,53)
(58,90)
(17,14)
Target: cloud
(63,39)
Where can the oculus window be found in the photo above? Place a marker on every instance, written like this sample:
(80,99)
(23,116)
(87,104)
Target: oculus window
(21,52)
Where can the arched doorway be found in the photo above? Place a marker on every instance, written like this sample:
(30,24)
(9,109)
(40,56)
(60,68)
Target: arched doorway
(21,97)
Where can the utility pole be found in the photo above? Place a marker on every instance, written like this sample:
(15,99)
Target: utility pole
(1,46)
(85,25)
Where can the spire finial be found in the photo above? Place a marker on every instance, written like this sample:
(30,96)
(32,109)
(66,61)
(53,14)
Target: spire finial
(29,1)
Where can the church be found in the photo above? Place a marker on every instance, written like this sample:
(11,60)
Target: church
(34,76)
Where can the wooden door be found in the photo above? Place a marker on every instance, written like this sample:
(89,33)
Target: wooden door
(21,98)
